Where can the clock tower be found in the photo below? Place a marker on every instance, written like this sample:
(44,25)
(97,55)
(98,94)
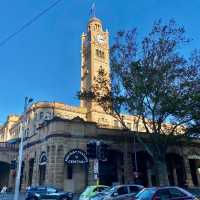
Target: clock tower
(94,55)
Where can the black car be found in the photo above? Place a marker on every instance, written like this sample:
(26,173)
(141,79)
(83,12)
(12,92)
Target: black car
(195,191)
(47,193)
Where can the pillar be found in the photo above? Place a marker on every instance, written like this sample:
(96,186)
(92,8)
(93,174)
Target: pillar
(187,171)
(50,168)
(149,177)
(35,178)
(59,166)
(175,176)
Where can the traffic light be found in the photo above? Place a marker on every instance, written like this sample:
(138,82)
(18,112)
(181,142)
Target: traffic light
(91,150)
(13,164)
(102,151)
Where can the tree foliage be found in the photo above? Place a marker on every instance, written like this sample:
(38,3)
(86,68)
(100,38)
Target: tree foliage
(153,80)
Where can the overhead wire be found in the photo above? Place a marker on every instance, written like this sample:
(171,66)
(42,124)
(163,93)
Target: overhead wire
(30,22)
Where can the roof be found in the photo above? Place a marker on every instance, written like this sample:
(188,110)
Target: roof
(94,19)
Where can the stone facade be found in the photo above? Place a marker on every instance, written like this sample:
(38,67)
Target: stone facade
(53,129)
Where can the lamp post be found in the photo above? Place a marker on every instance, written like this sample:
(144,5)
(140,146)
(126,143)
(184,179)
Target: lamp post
(27,101)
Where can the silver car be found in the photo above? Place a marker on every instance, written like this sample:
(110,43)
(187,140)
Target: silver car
(119,192)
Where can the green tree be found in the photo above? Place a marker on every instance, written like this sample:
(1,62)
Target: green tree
(152,80)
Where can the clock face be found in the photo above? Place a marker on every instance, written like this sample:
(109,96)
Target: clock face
(100,39)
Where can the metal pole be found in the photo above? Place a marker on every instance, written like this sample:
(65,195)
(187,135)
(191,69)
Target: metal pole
(17,184)
(97,160)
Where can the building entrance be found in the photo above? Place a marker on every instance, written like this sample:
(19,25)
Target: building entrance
(195,171)
(176,169)
(144,165)
(30,173)
(42,168)
(108,170)
(76,171)
(4,174)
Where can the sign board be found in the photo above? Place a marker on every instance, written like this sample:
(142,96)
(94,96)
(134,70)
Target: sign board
(96,169)
(96,166)
(76,156)
(13,164)
(95,176)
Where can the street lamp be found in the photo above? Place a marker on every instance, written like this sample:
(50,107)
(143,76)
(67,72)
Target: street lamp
(27,101)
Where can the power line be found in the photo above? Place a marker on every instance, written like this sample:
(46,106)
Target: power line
(30,22)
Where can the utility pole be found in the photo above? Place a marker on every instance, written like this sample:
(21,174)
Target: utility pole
(17,184)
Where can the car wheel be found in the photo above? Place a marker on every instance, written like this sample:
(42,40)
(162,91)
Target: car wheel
(33,198)
(64,198)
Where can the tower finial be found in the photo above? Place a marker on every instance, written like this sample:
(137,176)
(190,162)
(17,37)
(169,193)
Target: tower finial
(93,10)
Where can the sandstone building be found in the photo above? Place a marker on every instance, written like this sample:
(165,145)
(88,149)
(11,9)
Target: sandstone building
(56,132)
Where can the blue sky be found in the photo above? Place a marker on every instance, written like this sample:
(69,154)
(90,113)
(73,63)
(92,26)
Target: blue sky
(44,60)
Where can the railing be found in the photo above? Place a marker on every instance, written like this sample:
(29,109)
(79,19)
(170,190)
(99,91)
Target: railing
(8,146)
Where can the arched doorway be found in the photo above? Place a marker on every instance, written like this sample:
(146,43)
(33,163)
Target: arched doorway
(108,169)
(194,162)
(143,169)
(42,168)
(30,172)
(4,173)
(176,169)
(76,170)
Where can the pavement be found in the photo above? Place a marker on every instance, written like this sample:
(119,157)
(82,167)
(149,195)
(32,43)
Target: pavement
(10,196)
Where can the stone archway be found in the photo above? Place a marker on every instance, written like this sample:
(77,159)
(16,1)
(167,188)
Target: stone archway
(42,168)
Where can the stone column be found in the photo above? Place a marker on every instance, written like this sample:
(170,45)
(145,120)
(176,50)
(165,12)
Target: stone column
(35,179)
(59,166)
(149,177)
(50,168)
(11,180)
(188,171)
(25,176)
(128,167)
(175,176)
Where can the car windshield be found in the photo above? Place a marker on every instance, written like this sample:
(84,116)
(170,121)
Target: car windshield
(40,190)
(104,191)
(88,190)
(146,194)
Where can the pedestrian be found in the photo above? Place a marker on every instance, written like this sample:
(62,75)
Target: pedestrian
(4,189)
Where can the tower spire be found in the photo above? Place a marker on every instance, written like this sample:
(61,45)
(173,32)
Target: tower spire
(93,10)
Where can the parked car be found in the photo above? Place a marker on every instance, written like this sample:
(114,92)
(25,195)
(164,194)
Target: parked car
(119,192)
(164,193)
(91,191)
(195,191)
(47,192)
